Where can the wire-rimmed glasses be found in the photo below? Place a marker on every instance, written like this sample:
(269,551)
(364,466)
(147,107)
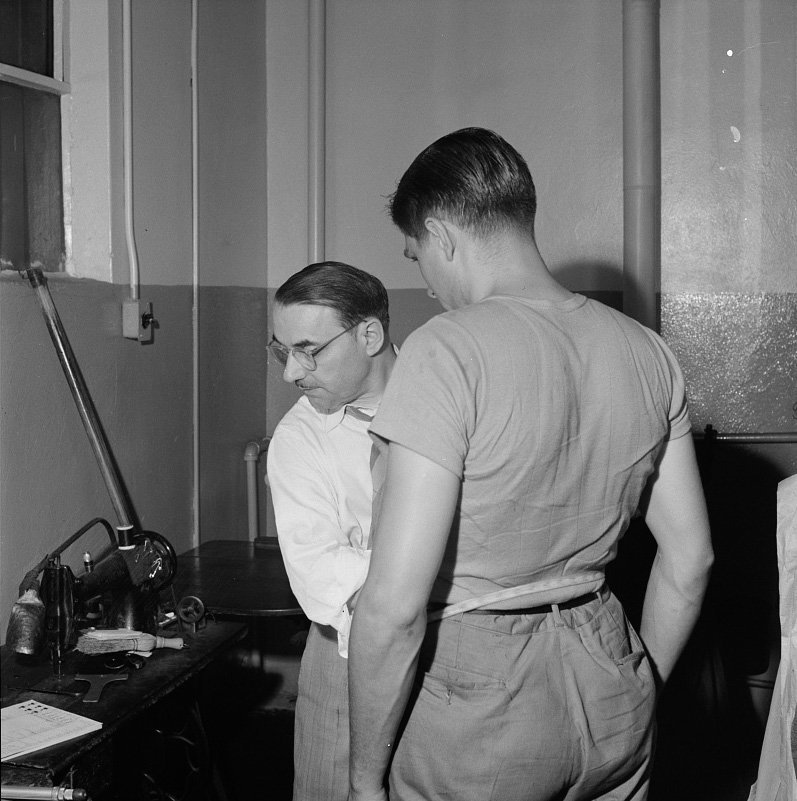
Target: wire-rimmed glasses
(306,358)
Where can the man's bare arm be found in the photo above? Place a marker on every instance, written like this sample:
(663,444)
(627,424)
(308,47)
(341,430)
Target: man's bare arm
(676,516)
(389,623)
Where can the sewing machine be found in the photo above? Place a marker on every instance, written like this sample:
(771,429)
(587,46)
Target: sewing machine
(120,591)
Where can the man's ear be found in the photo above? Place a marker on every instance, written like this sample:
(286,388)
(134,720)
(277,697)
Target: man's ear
(442,235)
(374,335)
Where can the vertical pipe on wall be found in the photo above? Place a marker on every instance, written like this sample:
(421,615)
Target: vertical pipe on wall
(250,456)
(127,124)
(316,211)
(195,275)
(641,162)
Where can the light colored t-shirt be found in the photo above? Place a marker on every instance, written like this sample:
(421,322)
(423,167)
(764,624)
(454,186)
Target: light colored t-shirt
(318,471)
(552,414)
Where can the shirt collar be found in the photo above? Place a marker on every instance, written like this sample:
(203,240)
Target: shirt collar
(332,421)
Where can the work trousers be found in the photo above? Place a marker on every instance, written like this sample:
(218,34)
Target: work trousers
(537,707)
(321,739)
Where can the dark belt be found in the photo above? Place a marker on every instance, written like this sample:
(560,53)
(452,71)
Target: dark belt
(531,610)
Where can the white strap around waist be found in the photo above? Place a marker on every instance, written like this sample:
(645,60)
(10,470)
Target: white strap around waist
(571,586)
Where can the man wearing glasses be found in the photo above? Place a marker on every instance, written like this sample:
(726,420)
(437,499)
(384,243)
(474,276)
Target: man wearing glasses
(331,340)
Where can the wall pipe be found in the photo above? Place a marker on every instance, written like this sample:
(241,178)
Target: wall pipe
(251,456)
(757,438)
(641,162)
(316,212)
(195,527)
(127,124)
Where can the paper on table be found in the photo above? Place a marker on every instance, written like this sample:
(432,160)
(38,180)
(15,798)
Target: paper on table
(30,726)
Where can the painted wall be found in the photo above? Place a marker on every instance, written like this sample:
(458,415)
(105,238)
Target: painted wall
(144,394)
(233,303)
(548,76)
(729,208)
(401,73)
(729,304)
(51,484)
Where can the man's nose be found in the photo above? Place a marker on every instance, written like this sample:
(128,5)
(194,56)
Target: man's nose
(293,370)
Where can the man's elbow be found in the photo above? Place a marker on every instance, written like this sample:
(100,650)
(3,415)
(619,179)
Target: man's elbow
(692,571)
(379,610)
(703,559)
(701,575)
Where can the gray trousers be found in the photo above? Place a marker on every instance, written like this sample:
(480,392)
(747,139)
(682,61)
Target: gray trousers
(529,708)
(321,740)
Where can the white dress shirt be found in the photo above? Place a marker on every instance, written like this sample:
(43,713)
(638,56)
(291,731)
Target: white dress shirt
(318,471)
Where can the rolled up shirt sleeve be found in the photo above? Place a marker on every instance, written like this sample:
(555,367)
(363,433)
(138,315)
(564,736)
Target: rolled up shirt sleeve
(321,494)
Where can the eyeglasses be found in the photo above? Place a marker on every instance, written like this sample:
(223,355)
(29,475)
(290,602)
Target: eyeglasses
(306,358)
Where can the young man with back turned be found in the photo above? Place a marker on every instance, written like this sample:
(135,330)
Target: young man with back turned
(526,426)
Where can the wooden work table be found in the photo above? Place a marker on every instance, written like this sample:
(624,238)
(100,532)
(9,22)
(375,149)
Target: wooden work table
(86,762)
(238,583)
(237,579)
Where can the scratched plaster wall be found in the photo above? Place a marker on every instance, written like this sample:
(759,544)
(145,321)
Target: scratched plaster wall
(729,310)
(739,355)
(729,208)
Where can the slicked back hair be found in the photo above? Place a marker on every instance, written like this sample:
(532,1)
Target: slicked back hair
(471,177)
(354,294)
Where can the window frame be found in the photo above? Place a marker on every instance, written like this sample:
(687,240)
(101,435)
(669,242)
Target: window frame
(86,43)
(59,85)
(32,80)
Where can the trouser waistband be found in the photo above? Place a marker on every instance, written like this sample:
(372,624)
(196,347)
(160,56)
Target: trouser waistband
(543,609)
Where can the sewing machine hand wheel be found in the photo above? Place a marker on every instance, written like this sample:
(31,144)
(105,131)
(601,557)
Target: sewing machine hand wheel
(166,551)
(191,610)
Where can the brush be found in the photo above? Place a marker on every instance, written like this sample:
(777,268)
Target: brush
(110,640)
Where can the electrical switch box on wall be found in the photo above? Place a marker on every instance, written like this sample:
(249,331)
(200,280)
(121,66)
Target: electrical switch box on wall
(137,320)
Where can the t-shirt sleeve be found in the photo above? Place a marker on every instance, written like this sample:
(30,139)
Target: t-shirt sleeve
(428,405)
(678,416)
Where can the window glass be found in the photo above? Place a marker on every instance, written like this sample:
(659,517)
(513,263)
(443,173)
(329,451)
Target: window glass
(32,209)
(26,35)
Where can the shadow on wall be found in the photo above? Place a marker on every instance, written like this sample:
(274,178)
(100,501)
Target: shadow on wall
(411,308)
(601,275)
(711,723)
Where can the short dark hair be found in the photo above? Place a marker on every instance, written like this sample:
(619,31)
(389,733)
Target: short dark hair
(354,294)
(472,177)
